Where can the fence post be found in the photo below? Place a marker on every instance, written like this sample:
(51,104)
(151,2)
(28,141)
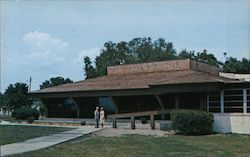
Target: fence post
(152,122)
(114,123)
(132,122)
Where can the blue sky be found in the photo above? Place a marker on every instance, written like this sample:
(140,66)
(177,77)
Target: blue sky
(49,38)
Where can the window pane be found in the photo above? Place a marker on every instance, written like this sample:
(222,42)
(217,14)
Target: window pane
(233,92)
(235,110)
(214,98)
(233,98)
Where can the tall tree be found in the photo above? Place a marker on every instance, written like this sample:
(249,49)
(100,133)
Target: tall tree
(186,54)
(1,100)
(90,71)
(207,58)
(16,96)
(137,50)
(55,81)
(232,65)
(200,56)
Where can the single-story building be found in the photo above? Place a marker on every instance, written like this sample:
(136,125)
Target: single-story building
(155,86)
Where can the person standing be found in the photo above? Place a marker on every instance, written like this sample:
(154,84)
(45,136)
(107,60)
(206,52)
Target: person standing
(102,117)
(97,117)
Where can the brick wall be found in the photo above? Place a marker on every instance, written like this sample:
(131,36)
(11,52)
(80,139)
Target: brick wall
(172,65)
(150,67)
(199,66)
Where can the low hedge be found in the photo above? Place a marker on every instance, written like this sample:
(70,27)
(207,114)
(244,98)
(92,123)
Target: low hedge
(26,113)
(190,122)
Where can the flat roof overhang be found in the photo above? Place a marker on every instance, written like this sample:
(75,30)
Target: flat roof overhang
(152,90)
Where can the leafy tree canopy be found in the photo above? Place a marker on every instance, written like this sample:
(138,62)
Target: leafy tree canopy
(139,50)
(16,96)
(1,99)
(232,65)
(55,81)
(90,71)
(204,56)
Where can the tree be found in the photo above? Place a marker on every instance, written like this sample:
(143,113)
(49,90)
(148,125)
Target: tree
(200,56)
(232,65)
(137,50)
(207,58)
(16,96)
(90,71)
(140,50)
(1,100)
(55,81)
(186,54)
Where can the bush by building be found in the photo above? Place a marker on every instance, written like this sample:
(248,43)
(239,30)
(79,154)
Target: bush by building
(192,122)
(26,113)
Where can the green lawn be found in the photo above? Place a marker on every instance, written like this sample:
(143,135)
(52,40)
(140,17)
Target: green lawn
(12,134)
(148,146)
(10,119)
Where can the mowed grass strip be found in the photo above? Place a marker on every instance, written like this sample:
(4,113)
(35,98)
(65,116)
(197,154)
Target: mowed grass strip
(148,146)
(11,119)
(16,133)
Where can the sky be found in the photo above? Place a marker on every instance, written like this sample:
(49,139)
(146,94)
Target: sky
(48,38)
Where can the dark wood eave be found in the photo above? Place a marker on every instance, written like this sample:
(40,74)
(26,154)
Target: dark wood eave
(187,87)
(93,93)
(152,90)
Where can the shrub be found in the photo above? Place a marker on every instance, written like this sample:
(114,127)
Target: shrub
(192,122)
(30,119)
(25,113)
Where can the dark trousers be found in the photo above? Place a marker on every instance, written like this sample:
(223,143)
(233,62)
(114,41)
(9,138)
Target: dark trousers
(97,123)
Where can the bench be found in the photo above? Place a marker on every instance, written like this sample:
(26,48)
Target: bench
(138,114)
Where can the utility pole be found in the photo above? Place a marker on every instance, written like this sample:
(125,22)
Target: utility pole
(30,84)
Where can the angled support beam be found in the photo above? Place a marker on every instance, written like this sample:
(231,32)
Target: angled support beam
(159,101)
(161,104)
(77,107)
(45,107)
(116,107)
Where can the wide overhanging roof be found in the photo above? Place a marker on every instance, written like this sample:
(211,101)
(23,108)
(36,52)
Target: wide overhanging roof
(144,80)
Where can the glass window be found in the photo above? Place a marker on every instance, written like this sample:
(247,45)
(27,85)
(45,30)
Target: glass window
(214,102)
(233,101)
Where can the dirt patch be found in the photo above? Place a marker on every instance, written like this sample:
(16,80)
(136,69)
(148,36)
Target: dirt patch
(111,132)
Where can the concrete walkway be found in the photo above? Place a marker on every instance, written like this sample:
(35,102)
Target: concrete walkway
(45,141)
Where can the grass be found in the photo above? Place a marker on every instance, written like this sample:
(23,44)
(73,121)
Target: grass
(148,146)
(10,119)
(12,134)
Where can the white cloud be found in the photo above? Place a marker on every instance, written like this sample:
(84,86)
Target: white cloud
(45,56)
(45,49)
(44,40)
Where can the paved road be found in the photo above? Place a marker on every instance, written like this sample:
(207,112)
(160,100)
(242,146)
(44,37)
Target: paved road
(45,141)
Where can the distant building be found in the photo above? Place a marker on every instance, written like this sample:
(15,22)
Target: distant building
(245,77)
(166,85)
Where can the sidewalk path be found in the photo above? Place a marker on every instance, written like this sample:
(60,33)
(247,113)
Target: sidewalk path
(45,141)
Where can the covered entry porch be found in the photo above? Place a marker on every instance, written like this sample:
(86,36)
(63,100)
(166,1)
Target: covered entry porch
(82,104)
